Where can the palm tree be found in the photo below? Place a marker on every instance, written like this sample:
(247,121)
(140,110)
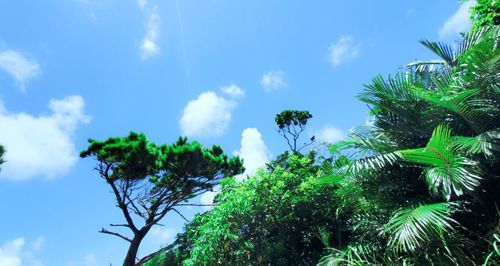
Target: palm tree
(424,175)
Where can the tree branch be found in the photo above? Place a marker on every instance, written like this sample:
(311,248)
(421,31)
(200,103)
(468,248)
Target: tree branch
(124,225)
(185,219)
(104,231)
(123,206)
(194,204)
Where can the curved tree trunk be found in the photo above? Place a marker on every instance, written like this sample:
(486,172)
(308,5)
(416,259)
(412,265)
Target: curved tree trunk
(133,249)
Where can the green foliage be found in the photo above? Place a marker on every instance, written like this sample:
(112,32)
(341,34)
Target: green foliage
(288,118)
(383,189)
(493,257)
(419,186)
(485,13)
(291,123)
(410,228)
(449,173)
(271,218)
(150,180)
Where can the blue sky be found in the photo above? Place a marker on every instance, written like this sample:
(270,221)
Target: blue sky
(216,71)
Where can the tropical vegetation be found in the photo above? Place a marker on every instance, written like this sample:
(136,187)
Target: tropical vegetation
(417,185)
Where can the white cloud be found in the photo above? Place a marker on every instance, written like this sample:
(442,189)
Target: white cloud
(273,80)
(206,116)
(21,68)
(148,45)
(142,3)
(38,243)
(41,145)
(162,236)
(14,253)
(255,155)
(10,252)
(329,134)
(343,50)
(253,151)
(458,22)
(207,198)
(233,91)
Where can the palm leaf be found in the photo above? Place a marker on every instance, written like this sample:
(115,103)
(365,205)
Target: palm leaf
(496,250)
(442,50)
(448,173)
(452,100)
(358,255)
(373,163)
(486,143)
(411,228)
(423,67)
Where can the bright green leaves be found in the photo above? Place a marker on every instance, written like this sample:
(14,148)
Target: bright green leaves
(448,173)
(269,218)
(485,13)
(129,158)
(329,180)
(135,158)
(411,228)
(454,101)
(358,255)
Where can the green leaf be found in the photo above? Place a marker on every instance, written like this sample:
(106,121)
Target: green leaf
(411,228)
(486,143)
(448,173)
(329,180)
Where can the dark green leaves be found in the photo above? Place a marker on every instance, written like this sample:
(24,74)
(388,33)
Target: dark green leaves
(292,117)
(2,152)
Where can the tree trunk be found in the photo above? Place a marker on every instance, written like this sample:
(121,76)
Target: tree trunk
(133,249)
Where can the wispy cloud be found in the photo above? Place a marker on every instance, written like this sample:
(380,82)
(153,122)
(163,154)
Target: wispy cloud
(142,3)
(162,236)
(41,145)
(329,134)
(21,68)
(15,253)
(233,91)
(458,22)
(345,49)
(208,115)
(149,47)
(273,80)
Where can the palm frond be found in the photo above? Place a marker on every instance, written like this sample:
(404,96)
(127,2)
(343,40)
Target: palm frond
(448,173)
(358,255)
(382,92)
(373,163)
(425,67)
(450,55)
(454,101)
(487,143)
(442,50)
(470,39)
(412,228)
(495,253)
